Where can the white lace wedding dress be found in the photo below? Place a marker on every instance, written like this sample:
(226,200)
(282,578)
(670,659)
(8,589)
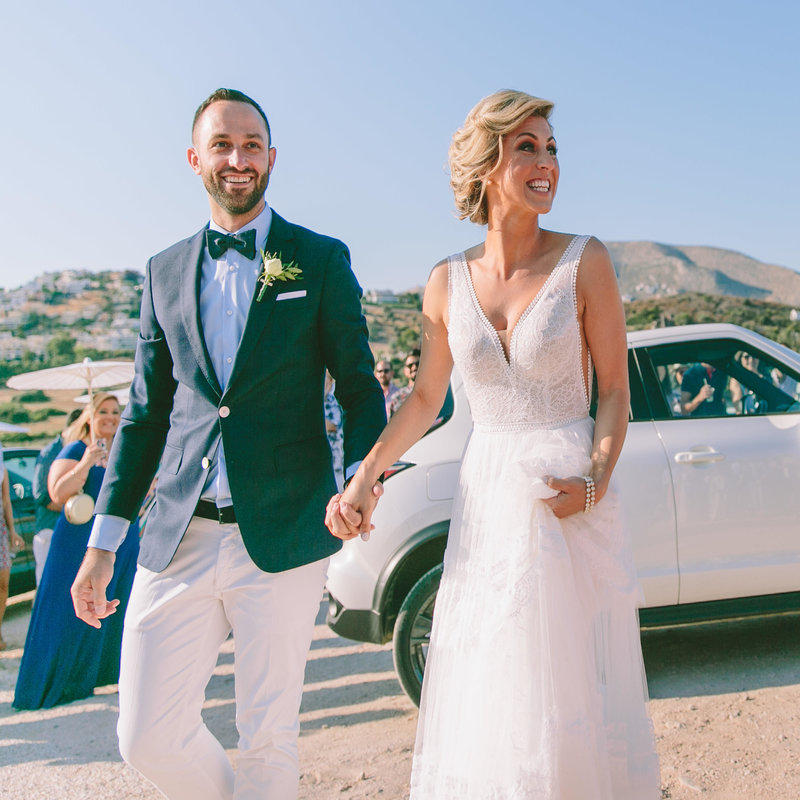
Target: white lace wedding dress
(534,685)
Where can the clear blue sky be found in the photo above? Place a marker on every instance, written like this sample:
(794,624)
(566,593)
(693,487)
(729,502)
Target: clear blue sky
(677,122)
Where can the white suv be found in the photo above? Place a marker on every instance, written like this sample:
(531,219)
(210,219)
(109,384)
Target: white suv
(712,498)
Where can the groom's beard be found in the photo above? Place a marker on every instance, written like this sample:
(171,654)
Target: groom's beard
(236,201)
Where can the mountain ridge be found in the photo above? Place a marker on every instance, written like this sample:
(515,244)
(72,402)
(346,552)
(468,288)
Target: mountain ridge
(648,269)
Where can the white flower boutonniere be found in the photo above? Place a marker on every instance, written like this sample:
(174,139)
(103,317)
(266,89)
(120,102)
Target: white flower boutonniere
(273,269)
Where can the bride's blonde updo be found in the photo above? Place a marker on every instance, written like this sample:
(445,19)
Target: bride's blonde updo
(477,146)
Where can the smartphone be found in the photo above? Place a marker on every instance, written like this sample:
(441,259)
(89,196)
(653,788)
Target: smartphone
(101,443)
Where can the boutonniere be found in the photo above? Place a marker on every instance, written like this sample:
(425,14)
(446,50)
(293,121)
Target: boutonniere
(273,269)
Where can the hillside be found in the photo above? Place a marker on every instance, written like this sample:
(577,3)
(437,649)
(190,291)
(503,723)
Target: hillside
(651,269)
(395,329)
(773,320)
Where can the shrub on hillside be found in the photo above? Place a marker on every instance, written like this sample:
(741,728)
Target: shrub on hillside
(14,413)
(34,396)
(17,414)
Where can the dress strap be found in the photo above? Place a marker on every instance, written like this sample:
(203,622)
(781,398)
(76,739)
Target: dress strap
(455,279)
(579,245)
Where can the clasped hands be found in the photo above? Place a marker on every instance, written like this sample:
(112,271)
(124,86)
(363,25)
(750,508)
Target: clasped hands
(349,514)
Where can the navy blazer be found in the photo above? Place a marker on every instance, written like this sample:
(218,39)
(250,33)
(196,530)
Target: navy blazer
(270,417)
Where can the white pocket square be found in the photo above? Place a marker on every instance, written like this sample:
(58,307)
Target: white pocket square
(291,295)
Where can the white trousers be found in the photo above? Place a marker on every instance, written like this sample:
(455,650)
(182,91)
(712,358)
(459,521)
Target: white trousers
(174,626)
(41,547)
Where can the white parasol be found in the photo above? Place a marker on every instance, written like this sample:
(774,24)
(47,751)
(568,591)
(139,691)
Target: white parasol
(86,374)
(7,427)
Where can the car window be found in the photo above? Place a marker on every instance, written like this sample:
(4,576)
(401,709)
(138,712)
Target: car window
(639,410)
(720,378)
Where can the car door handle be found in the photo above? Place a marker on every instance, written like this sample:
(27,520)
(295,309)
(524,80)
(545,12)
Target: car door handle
(702,455)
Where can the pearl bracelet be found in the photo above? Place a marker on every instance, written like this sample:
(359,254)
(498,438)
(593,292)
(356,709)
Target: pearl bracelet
(590,494)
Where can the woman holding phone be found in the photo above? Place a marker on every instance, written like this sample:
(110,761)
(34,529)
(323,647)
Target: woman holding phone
(64,659)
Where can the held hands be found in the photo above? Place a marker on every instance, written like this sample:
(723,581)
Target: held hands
(347,515)
(571,497)
(89,588)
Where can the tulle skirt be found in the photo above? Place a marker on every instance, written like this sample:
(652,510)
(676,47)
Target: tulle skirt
(534,685)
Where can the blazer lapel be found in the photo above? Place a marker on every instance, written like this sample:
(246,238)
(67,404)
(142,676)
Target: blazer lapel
(190,273)
(280,242)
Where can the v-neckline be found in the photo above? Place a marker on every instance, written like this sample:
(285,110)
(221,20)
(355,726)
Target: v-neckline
(510,334)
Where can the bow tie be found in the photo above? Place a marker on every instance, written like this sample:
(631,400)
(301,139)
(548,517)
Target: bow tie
(218,243)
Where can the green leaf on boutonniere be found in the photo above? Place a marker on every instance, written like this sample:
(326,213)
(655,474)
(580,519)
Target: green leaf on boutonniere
(273,269)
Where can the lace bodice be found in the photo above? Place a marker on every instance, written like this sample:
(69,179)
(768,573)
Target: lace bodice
(541,382)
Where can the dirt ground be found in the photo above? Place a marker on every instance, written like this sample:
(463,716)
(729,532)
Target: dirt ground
(725,705)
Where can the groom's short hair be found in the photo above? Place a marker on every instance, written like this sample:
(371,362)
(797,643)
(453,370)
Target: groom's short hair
(236,96)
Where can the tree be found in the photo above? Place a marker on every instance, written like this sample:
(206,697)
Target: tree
(412,299)
(407,339)
(61,350)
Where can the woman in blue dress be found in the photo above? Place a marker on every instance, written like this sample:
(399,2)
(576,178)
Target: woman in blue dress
(64,659)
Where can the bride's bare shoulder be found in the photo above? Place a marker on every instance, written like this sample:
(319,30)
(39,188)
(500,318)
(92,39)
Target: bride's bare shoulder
(434,303)
(596,260)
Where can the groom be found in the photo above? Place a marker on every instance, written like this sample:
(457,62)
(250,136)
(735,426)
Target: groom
(228,400)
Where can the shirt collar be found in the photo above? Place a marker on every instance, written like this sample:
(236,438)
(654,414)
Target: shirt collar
(261,223)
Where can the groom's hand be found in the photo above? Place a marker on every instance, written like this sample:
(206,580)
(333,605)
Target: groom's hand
(89,588)
(349,515)
(336,523)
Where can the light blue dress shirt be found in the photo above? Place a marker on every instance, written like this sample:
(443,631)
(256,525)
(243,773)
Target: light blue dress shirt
(226,293)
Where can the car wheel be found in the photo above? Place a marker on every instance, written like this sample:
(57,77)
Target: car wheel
(412,632)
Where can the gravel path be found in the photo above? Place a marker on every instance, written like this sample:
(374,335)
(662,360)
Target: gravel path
(726,709)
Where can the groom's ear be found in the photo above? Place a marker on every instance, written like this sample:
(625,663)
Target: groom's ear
(194,160)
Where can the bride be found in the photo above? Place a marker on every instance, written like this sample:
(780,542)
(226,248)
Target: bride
(534,685)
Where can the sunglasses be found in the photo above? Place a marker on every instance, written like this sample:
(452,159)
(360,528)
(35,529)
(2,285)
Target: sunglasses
(382,370)
(412,364)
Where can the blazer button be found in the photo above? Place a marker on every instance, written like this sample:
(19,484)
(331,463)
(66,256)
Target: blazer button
(224,411)
(205,463)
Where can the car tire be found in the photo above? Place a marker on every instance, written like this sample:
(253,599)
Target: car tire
(412,633)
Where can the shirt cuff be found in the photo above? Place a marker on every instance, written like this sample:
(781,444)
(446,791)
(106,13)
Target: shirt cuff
(351,470)
(108,532)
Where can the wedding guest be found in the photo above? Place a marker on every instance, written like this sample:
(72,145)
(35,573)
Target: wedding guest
(333,428)
(534,684)
(10,542)
(743,399)
(64,660)
(230,367)
(47,510)
(785,383)
(703,391)
(384,372)
(410,366)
